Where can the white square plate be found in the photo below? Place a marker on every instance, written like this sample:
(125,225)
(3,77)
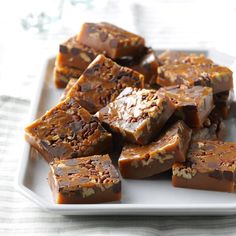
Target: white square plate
(152,196)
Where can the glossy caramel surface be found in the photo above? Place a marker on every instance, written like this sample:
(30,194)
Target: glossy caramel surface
(111,40)
(67,131)
(74,54)
(217,77)
(137,114)
(92,171)
(102,82)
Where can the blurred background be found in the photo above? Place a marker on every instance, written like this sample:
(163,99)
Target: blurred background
(32,30)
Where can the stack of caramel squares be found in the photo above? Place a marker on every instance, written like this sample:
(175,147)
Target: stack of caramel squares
(210,162)
(123,106)
(190,69)
(125,48)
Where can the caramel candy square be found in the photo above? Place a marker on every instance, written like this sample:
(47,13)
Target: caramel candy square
(177,57)
(171,57)
(210,165)
(102,82)
(85,180)
(193,104)
(110,40)
(217,77)
(68,131)
(137,114)
(74,54)
(143,161)
(62,75)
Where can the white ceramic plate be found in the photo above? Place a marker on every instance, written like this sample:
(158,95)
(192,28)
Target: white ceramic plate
(153,196)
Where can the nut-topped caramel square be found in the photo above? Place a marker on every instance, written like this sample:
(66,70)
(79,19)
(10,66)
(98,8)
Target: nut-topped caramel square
(177,57)
(210,165)
(102,82)
(137,114)
(110,40)
(193,104)
(143,161)
(85,180)
(219,78)
(68,131)
(74,54)
(72,59)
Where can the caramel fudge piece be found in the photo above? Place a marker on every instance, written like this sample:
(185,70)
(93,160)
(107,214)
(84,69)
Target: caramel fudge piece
(213,129)
(178,57)
(210,165)
(110,40)
(198,60)
(68,87)
(171,57)
(67,131)
(193,105)
(144,161)
(85,180)
(217,77)
(74,54)
(62,75)
(137,114)
(102,82)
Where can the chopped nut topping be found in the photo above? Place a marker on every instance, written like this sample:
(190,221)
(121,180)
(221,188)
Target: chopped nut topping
(68,131)
(111,39)
(186,173)
(135,110)
(85,174)
(85,57)
(86,192)
(102,82)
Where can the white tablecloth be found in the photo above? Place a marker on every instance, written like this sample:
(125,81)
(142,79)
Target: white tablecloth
(164,24)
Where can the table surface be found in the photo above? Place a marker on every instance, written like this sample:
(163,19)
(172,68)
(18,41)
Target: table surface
(164,24)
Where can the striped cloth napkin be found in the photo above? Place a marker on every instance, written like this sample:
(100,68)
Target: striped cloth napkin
(163,24)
